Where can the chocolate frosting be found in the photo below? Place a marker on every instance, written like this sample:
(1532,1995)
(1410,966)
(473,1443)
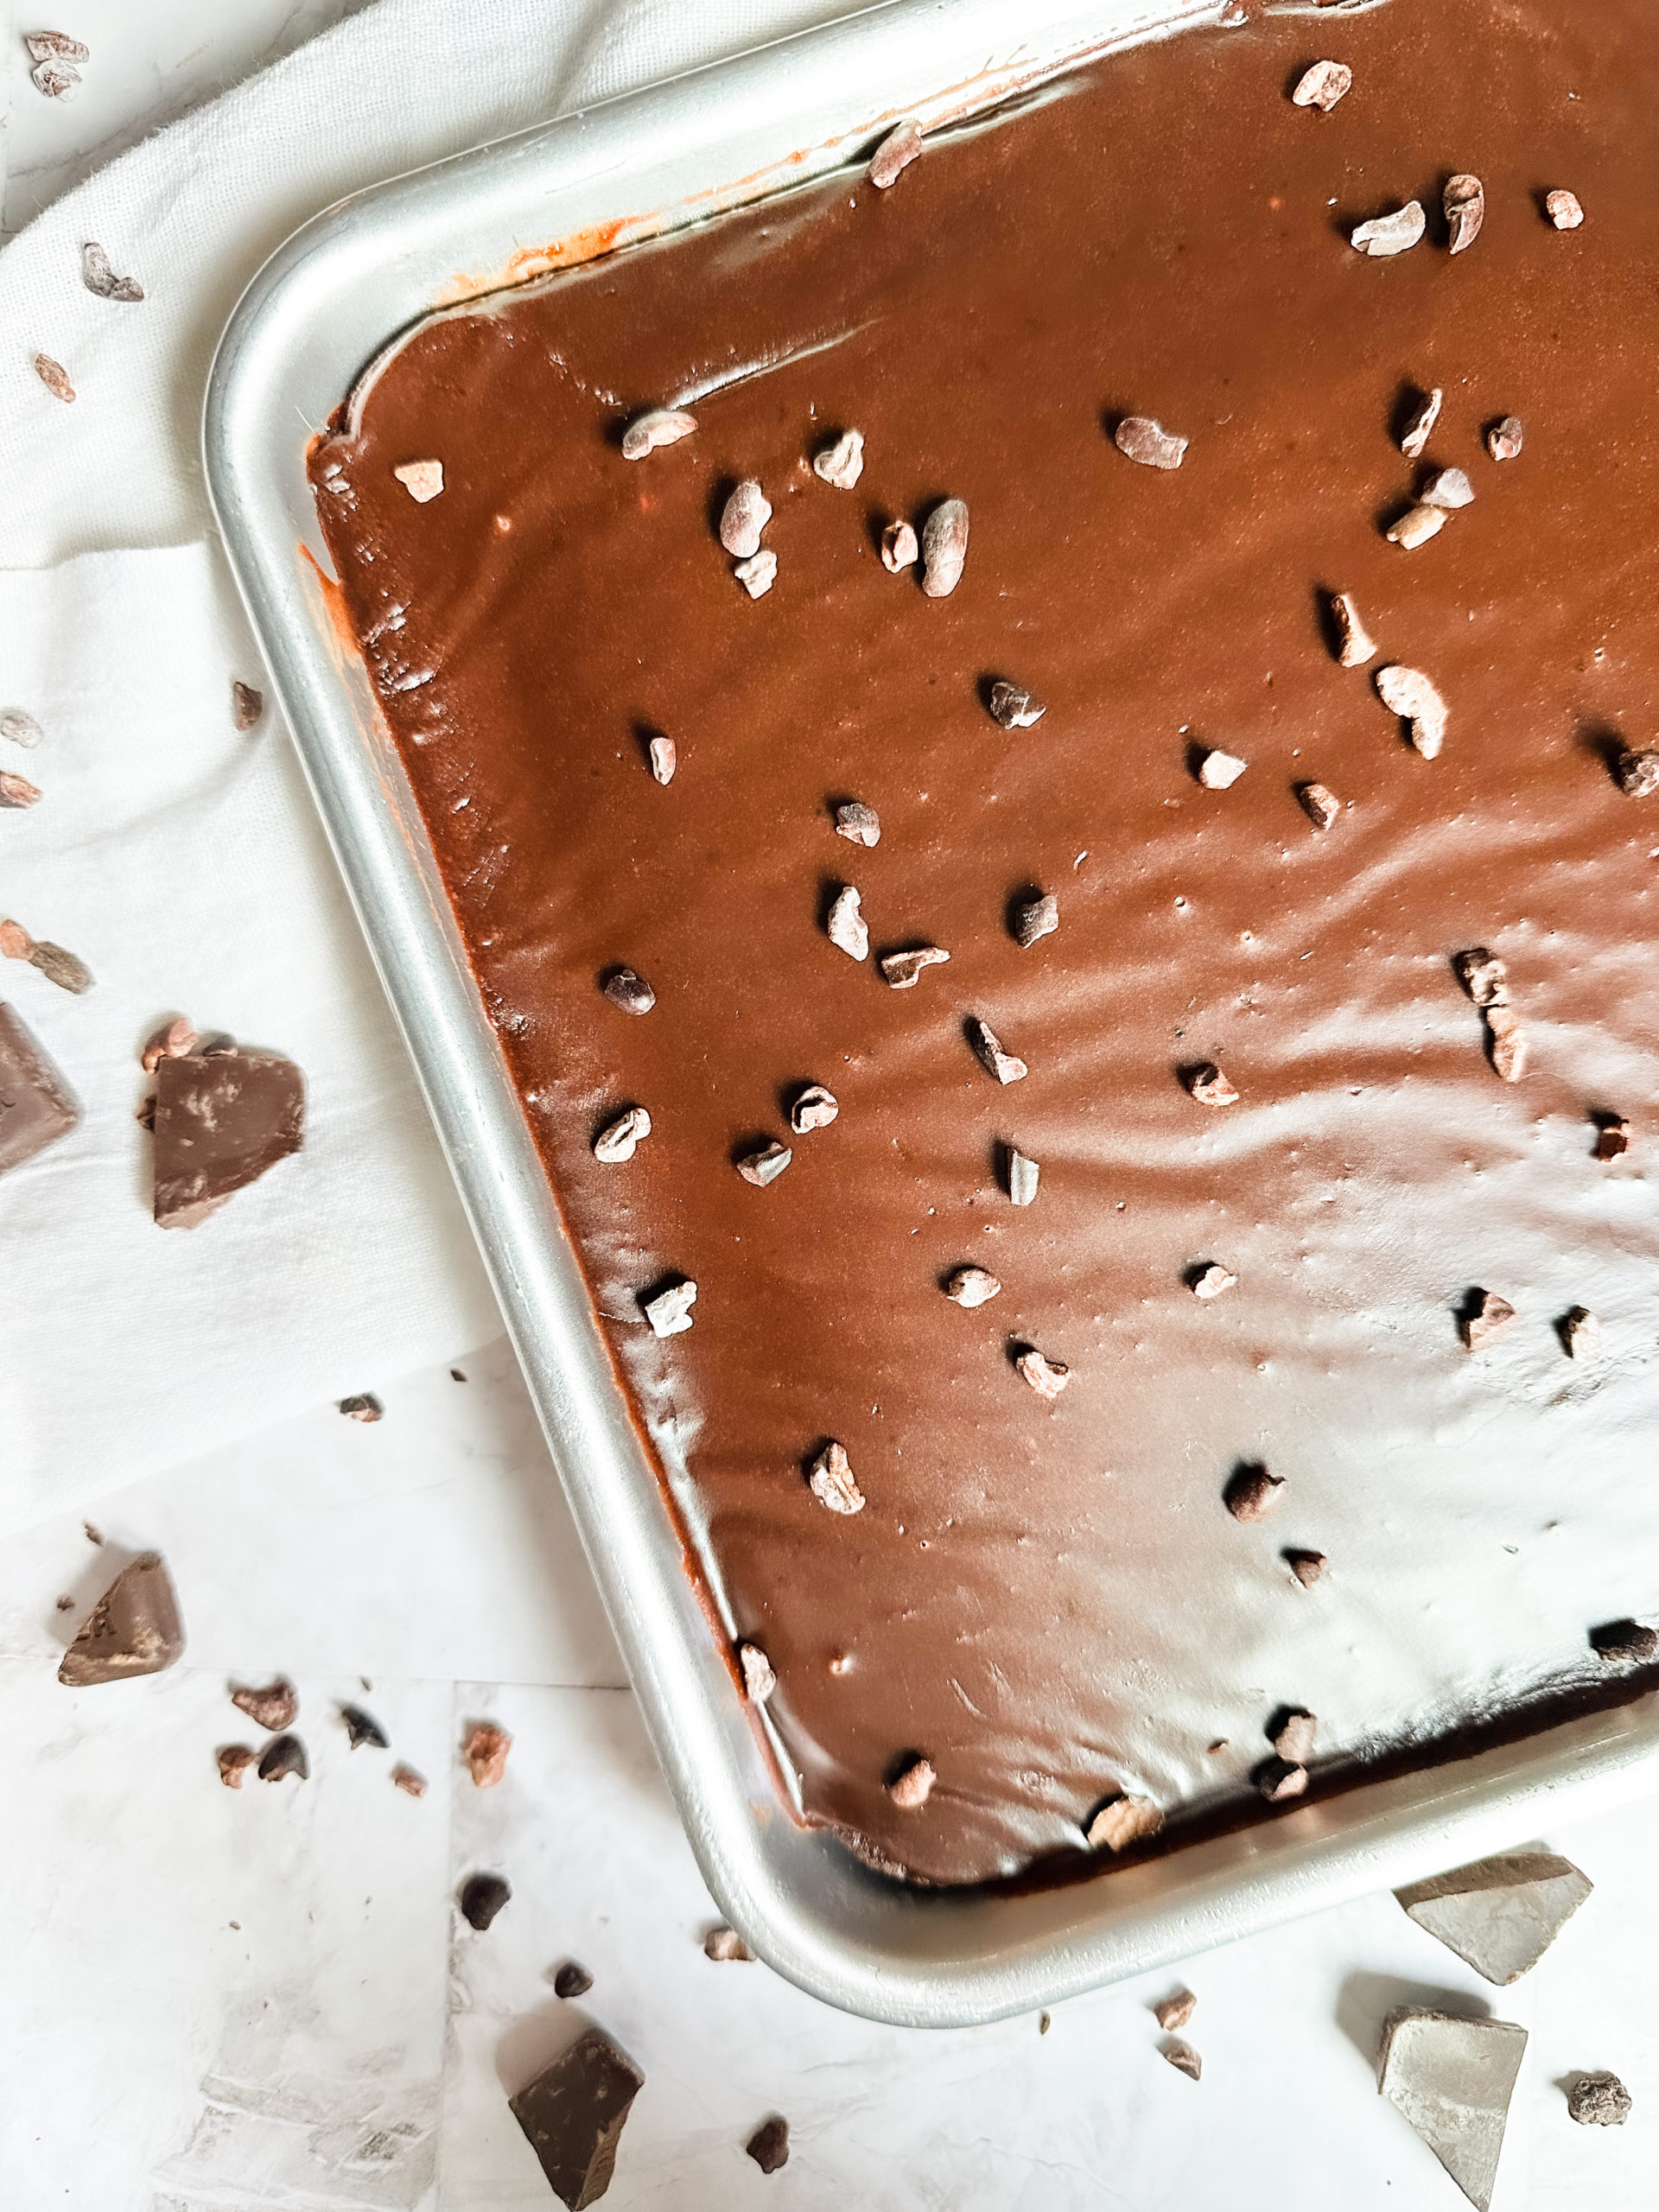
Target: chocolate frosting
(1047,1599)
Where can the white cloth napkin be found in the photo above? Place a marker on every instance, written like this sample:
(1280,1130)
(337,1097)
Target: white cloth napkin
(178,857)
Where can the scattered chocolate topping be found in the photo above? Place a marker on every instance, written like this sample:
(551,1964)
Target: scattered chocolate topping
(1449,488)
(832,1482)
(1036,918)
(410,1780)
(572,1980)
(1003,1066)
(1417,526)
(234,1760)
(618,1140)
(769,2145)
(174,1040)
(1210,1086)
(944,548)
(1173,2012)
(1139,438)
(815,1109)
(724,1945)
(481,1898)
(273,1707)
(20,727)
(1506,1043)
(1484,1320)
(1024,1175)
(1613,1136)
(1420,425)
(1251,1492)
(134,1628)
(222,1119)
(1623,1644)
(894,155)
(1182,2056)
(858,823)
(485,1747)
(36,1105)
(745,515)
(912,1786)
(758,1680)
(661,426)
(1321,806)
(765,1166)
(364,1406)
(1293,1739)
(669,1312)
(759,573)
(1464,204)
(629,992)
(1047,1377)
(1505,439)
(903,970)
(1390,234)
(1122,1820)
(1307,1566)
(1483,975)
(1013,706)
(1219,772)
(421,479)
(1323,86)
(972,1287)
(1563,210)
(16,791)
(665,758)
(282,1755)
(1279,1779)
(1354,645)
(1581,1333)
(1408,693)
(1597,2100)
(573,2114)
(847,927)
(1212,1281)
(1638,773)
(363,1728)
(898,548)
(842,462)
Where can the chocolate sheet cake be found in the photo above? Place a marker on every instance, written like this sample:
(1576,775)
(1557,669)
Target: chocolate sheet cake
(1322,1372)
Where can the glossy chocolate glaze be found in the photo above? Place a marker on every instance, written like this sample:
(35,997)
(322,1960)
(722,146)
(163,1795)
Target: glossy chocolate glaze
(1050,1600)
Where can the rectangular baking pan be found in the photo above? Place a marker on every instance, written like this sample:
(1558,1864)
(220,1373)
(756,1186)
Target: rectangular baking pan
(318,312)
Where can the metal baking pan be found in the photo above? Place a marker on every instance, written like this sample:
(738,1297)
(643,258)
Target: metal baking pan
(319,311)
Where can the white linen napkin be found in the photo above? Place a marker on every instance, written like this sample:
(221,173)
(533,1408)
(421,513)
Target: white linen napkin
(181,859)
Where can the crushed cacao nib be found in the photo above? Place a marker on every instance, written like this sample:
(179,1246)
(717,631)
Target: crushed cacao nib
(944,548)
(410,1780)
(1464,205)
(1323,86)
(972,1287)
(902,970)
(484,1748)
(725,1946)
(1624,1644)
(481,1898)
(362,1727)
(421,479)
(1408,693)
(618,1140)
(894,155)
(1005,1066)
(1417,526)
(1211,1281)
(1483,975)
(1354,643)
(274,1707)
(246,704)
(745,515)
(1210,1086)
(59,967)
(664,757)
(234,1760)
(16,791)
(1504,440)
(1293,1737)
(1393,233)
(1140,438)
(858,823)
(1581,1333)
(1421,424)
(846,927)
(1307,1566)
(842,462)
(15,943)
(758,1680)
(669,1312)
(759,573)
(1506,1043)
(54,55)
(1122,1820)
(284,1755)
(1613,1136)
(1219,772)
(99,277)
(364,1406)
(1252,1492)
(769,2145)
(764,1166)
(1034,919)
(831,1481)
(1280,1779)
(1047,1377)
(19,727)
(1563,210)
(1023,1175)
(1173,2012)
(659,426)
(630,993)
(900,549)
(174,1040)
(815,1108)
(572,1980)
(1486,1316)
(1637,771)
(1597,2100)
(1448,488)
(913,1785)
(1321,806)
(1012,706)
(1182,2056)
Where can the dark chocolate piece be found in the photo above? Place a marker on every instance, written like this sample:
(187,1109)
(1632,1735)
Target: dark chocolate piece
(572,1980)
(246,704)
(221,1120)
(1307,1566)
(363,1728)
(36,1105)
(573,2113)
(134,1628)
(234,1760)
(769,2145)
(1613,1136)
(482,1897)
(1182,2056)
(1252,1493)
(273,1707)
(724,1943)
(1624,1644)
(365,1407)
(282,1755)
(410,1780)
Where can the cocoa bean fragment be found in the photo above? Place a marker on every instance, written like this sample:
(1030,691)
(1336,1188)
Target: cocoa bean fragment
(1416,527)
(16,791)
(831,1481)
(1386,235)
(482,1897)
(484,1748)
(1624,1644)
(1487,1316)
(664,756)
(1280,1779)
(842,462)
(1210,1086)
(234,1760)
(758,1680)
(1251,1492)
(1563,210)
(618,1140)
(410,1780)
(1293,1739)
(246,704)
(658,426)
(1219,772)
(669,1312)
(1213,1281)
(813,1108)
(1417,431)
(912,1787)
(1182,2056)
(627,991)
(903,970)
(1464,205)
(759,573)
(100,278)
(284,1756)
(365,1407)
(273,1707)
(894,155)
(1140,438)
(1005,1066)
(765,1166)
(944,548)
(859,825)
(1023,1176)
(1321,807)
(15,943)
(972,1287)
(1581,1331)
(1505,439)
(1408,693)
(1323,86)
(769,2145)
(1307,1566)
(1450,488)
(1047,1377)
(362,1727)
(421,479)
(898,548)
(1613,1136)
(1506,1043)
(1354,647)
(1483,975)
(724,1944)
(845,927)
(54,377)
(1037,917)
(1122,1820)
(1012,706)
(572,1980)
(59,967)
(1637,771)
(20,727)
(743,517)
(1173,2012)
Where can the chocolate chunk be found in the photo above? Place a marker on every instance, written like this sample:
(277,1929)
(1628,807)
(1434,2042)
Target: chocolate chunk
(1504,440)
(944,548)
(1620,1644)
(1613,1136)
(282,1755)
(1421,424)
(1047,1377)
(363,1728)
(1448,488)
(421,479)
(573,2113)
(59,967)
(1307,1566)
(485,1747)
(1323,86)
(1035,919)
(1293,1738)
(1251,1492)
(246,704)
(1211,1281)
(1023,1176)
(813,1108)
(831,1481)
(1279,1779)
(629,992)
(745,515)
(1597,2100)
(669,1312)
(1390,234)
(1464,202)
(759,573)
(898,548)
(903,970)
(660,426)
(1012,706)
(1417,526)
(846,927)
(1139,438)
(1408,693)
(1121,1822)
(1581,1332)
(1321,807)
(410,1780)
(53,374)
(769,2145)
(1210,1086)
(134,1628)
(1354,643)
(842,462)
(481,1898)
(664,757)
(36,1105)
(572,1980)
(1453,2080)
(1219,772)
(1486,1316)
(894,155)
(724,1943)
(1563,210)
(234,1760)
(859,825)
(274,1706)
(986,1043)
(1483,975)
(222,1119)
(758,1680)
(1638,773)
(765,1166)
(16,792)
(972,1287)
(1501,1915)
(20,727)
(618,1139)
(913,1785)
(365,1407)
(1182,2056)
